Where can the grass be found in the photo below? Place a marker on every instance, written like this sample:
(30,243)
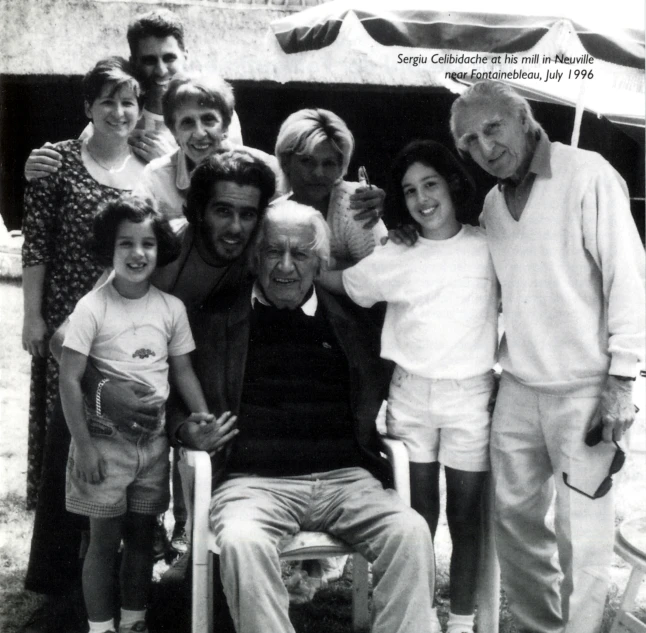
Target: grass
(329,612)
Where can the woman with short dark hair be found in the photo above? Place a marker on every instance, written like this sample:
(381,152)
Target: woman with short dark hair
(58,269)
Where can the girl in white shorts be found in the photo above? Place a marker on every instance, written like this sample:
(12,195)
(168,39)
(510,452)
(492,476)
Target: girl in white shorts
(441,331)
(117,474)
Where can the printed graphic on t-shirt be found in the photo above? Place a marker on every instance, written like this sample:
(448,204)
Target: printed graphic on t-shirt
(143,353)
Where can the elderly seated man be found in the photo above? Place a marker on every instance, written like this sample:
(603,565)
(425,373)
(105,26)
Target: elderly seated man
(300,370)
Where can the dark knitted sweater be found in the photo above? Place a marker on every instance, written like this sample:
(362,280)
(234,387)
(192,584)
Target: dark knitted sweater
(295,416)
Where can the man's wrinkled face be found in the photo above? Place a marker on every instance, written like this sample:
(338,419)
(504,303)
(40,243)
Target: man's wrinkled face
(287,263)
(495,138)
(228,221)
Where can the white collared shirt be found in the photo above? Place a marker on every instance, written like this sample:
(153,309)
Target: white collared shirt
(308,308)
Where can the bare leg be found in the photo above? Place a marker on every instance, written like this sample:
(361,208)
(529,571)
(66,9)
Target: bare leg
(98,579)
(137,561)
(463,508)
(425,491)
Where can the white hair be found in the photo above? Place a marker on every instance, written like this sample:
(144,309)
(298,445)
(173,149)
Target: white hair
(495,92)
(297,214)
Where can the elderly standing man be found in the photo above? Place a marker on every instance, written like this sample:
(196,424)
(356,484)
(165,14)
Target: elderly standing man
(301,371)
(571,269)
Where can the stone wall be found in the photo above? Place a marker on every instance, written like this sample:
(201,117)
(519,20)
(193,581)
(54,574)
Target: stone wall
(66,37)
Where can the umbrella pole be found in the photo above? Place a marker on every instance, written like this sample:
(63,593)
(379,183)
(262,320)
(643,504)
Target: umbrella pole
(578,116)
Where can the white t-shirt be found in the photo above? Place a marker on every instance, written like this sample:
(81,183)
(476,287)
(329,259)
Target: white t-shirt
(442,314)
(131,339)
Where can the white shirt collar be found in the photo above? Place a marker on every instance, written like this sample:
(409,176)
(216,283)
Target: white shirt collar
(309,307)
(183,177)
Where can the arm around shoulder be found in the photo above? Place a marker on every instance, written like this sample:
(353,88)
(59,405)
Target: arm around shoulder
(332,280)
(42,162)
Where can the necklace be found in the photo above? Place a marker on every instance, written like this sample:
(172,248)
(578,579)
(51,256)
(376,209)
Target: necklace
(110,170)
(128,313)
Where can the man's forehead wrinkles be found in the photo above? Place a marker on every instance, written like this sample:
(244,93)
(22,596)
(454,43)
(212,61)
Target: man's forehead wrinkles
(290,242)
(483,123)
(496,118)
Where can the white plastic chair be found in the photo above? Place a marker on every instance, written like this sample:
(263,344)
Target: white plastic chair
(195,469)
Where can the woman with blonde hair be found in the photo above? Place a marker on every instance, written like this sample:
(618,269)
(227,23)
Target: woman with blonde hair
(314,148)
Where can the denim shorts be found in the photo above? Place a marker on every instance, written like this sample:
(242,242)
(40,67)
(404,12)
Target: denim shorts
(442,420)
(136,472)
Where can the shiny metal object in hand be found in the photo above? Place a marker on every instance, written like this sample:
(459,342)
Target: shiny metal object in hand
(363,177)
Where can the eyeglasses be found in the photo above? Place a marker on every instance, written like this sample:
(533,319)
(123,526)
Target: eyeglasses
(618,462)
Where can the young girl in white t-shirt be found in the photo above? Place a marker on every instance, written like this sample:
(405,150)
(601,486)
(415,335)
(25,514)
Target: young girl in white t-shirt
(118,475)
(441,331)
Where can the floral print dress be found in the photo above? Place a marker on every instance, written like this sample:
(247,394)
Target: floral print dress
(57,227)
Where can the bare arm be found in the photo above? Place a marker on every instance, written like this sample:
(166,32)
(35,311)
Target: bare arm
(56,342)
(332,280)
(88,463)
(34,329)
(42,162)
(184,378)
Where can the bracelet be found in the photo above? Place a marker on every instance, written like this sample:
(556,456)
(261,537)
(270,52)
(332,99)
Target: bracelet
(624,378)
(97,398)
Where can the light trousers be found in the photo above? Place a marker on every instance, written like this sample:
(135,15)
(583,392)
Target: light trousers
(535,438)
(250,516)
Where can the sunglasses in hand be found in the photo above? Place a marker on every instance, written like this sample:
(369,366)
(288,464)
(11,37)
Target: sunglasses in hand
(617,464)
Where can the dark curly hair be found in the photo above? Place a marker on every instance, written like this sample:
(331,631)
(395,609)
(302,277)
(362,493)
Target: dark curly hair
(128,207)
(440,158)
(238,166)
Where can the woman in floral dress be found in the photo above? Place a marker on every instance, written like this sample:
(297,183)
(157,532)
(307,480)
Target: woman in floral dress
(57,267)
